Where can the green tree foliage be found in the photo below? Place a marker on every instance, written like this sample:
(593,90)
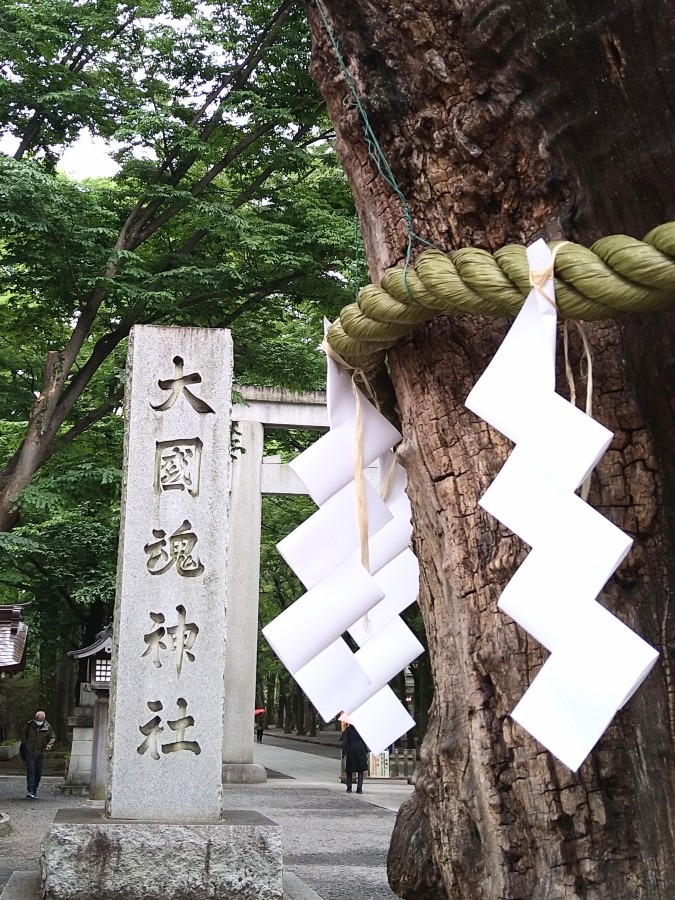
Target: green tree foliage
(61,556)
(228,210)
(19,699)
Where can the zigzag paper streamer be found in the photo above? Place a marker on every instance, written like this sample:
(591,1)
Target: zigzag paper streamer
(341,594)
(596,662)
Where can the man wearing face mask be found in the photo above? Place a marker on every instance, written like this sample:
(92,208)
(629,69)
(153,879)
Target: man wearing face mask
(38,737)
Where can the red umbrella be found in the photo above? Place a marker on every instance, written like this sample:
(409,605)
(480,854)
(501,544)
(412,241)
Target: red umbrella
(257,711)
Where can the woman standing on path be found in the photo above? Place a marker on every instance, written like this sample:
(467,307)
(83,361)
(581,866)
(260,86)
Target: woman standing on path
(260,724)
(356,757)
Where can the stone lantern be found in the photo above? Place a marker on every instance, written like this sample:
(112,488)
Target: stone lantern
(88,762)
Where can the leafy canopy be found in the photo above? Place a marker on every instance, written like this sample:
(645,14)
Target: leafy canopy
(228,210)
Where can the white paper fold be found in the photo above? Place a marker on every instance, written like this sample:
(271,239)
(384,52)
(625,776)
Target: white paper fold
(325,554)
(522,371)
(532,505)
(596,662)
(328,464)
(328,537)
(567,442)
(324,613)
(381,720)
(337,679)
(331,677)
(399,583)
(582,685)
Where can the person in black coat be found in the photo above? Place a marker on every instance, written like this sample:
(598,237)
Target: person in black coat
(355,753)
(260,725)
(38,736)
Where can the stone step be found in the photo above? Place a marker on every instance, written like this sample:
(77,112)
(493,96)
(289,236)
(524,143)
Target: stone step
(26,886)
(22,886)
(236,858)
(81,719)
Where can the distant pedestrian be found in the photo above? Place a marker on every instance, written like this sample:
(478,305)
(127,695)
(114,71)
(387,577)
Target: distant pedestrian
(38,737)
(260,724)
(355,753)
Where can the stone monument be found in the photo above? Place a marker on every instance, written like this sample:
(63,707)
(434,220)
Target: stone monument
(164,834)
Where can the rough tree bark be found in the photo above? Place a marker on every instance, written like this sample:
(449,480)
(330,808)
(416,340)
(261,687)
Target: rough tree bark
(505,121)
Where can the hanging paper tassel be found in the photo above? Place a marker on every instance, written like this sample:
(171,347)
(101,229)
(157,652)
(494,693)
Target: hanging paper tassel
(596,662)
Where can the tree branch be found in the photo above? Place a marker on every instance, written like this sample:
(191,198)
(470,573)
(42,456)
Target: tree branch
(236,79)
(215,170)
(82,57)
(270,288)
(60,589)
(95,415)
(30,135)
(102,349)
(155,224)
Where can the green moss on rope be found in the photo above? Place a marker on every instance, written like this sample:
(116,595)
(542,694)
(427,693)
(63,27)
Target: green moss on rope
(618,274)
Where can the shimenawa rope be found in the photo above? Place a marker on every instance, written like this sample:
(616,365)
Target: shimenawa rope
(618,274)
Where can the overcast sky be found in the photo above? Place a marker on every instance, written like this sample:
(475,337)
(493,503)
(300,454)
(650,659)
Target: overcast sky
(87,158)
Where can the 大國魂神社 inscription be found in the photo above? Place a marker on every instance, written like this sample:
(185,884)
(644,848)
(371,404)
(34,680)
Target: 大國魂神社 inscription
(177,465)
(180,547)
(170,629)
(179,385)
(178,638)
(154,729)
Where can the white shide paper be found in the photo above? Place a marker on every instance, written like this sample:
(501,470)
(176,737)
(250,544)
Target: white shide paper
(342,595)
(596,661)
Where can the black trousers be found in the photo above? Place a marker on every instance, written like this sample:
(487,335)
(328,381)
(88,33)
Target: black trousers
(359,780)
(33,772)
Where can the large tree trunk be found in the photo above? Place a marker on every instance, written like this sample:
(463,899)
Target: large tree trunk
(503,122)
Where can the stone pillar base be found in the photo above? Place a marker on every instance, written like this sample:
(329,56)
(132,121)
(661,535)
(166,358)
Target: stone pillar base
(244,773)
(86,856)
(74,790)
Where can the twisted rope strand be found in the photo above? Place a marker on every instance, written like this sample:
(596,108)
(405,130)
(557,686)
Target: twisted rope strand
(618,274)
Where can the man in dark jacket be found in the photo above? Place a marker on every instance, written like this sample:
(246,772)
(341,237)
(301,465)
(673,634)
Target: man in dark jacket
(38,737)
(355,753)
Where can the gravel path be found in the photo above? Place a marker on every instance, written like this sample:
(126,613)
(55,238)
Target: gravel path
(29,820)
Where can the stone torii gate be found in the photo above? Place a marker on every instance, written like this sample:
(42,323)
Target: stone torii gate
(253,476)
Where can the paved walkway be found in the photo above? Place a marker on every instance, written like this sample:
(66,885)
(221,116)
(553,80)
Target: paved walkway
(335,844)
(29,819)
